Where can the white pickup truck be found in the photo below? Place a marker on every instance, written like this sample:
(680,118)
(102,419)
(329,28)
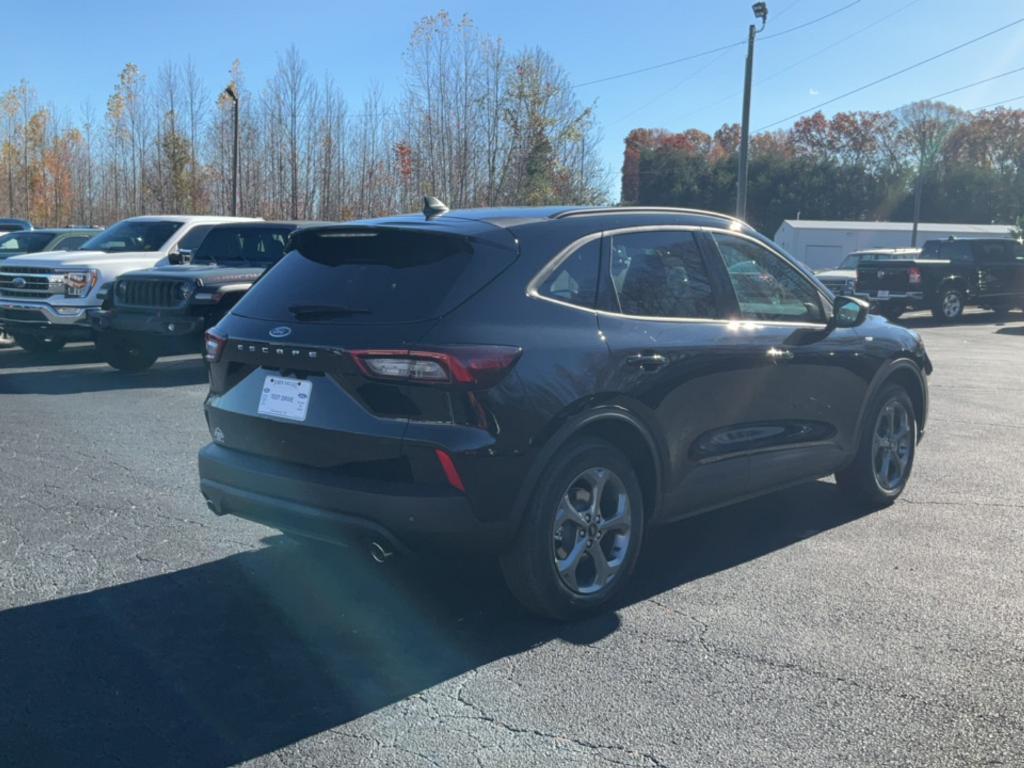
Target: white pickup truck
(45,298)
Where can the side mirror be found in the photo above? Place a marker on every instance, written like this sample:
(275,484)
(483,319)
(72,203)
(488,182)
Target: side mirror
(848,312)
(180,256)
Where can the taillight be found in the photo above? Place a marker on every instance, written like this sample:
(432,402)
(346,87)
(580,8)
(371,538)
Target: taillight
(915,275)
(471,365)
(214,344)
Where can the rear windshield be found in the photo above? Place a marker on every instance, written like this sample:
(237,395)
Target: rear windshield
(954,250)
(374,276)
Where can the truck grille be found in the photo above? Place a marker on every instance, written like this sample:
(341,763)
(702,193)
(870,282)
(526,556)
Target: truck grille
(30,282)
(149,293)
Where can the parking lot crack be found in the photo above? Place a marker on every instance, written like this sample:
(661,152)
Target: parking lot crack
(480,714)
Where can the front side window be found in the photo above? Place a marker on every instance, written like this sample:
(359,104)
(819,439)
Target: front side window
(660,274)
(127,236)
(766,287)
(994,252)
(575,279)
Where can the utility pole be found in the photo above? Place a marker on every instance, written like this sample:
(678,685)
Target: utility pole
(918,191)
(232,93)
(760,12)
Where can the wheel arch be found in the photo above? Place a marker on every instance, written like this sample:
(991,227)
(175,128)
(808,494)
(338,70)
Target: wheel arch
(906,373)
(617,426)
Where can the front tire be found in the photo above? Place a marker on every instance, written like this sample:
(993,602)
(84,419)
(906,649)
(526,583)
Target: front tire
(581,534)
(950,305)
(885,456)
(39,344)
(124,353)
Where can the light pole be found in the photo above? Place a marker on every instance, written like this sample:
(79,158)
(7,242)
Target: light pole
(760,12)
(232,93)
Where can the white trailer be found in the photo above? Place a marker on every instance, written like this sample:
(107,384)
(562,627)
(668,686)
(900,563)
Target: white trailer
(823,244)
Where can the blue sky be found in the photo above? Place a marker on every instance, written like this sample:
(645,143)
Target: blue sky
(73,52)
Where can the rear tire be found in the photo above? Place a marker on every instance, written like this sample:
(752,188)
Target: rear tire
(581,534)
(39,344)
(950,305)
(885,456)
(122,352)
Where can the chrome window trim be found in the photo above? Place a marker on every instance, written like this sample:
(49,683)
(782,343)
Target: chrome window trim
(533,287)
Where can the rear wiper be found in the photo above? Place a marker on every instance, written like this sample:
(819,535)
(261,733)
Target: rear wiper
(324,311)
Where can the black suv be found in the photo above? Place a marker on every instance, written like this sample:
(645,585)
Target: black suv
(949,275)
(546,384)
(166,309)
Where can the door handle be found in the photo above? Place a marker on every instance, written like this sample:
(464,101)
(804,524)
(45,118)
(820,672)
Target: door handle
(774,353)
(648,361)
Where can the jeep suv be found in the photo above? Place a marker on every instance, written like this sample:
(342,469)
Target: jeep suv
(547,385)
(165,310)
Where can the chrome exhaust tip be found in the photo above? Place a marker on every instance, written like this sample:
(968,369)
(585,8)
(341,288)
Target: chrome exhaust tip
(380,551)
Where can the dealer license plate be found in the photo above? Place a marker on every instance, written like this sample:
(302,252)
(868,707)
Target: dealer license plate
(285,398)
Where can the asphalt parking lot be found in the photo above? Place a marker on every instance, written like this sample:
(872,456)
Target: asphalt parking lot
(138,629)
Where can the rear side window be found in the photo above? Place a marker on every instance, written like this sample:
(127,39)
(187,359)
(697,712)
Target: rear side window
(369,276)
(245,245)
(660,274)
(575,279)
(72,243)
(995,252)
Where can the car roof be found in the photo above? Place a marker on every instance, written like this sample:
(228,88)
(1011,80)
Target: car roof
(253,224)
(65,230)
(194,219)
(523,215)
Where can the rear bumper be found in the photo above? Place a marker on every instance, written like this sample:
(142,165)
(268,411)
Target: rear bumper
(321,504)
(909,299)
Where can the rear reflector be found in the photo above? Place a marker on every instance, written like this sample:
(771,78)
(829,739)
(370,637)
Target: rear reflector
(469,365)
(214,344)
(450,471)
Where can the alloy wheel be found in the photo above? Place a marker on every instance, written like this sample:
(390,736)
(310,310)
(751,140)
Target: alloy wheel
(892,445)
(952,305)
(592,531)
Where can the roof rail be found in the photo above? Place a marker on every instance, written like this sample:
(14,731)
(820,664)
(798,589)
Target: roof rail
(639,209)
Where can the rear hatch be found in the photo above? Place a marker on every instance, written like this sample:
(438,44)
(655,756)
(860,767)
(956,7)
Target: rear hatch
(292,380)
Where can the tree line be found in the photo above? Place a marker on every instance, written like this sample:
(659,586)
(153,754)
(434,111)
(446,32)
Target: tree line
(475,124)
(957,166)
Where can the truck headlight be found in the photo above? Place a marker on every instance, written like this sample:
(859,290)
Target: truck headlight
(78,283)
(185,290)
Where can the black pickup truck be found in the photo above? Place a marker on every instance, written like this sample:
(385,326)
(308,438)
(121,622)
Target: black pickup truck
(950,275)
(165,310)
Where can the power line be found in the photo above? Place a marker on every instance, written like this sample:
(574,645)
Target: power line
(709,51)
(997,103)
(667,91)
(809,23)
(804,60)
(976,82)
(891,75)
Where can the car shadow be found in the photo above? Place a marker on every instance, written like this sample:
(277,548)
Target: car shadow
(232,659)
(1012,330)
(970,318)
(59,378)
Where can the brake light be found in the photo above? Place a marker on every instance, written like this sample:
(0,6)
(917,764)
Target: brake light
(915,275)
(469,365)
(214,344)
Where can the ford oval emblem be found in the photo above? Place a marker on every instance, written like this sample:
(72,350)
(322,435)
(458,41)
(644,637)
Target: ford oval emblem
(19,282)
(280,332)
